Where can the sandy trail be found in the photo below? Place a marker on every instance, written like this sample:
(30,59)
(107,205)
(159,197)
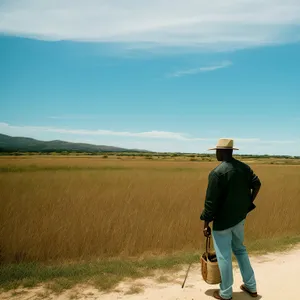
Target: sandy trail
(278,277)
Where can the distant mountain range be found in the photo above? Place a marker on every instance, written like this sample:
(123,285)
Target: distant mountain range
(24,144)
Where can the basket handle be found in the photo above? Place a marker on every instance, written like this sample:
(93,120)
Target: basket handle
(207,247)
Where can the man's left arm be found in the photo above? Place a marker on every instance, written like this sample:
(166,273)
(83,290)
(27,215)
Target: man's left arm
(213,194)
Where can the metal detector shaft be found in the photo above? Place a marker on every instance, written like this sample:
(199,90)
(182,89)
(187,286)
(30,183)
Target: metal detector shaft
(186,275)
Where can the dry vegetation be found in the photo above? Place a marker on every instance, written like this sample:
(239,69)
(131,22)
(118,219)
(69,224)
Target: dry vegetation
(77,208)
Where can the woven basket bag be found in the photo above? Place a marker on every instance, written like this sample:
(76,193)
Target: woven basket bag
(209,266)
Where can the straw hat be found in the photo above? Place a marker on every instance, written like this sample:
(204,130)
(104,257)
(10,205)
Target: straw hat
(224,144)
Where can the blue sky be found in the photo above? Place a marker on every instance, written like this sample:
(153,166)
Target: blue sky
(159,75)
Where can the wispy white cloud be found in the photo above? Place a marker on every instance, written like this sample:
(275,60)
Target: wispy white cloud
(224,64)
(219,24)
(283,142)
(72,117)
(4,127)
(163,135)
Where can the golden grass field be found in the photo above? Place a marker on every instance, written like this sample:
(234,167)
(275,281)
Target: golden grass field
(69,208)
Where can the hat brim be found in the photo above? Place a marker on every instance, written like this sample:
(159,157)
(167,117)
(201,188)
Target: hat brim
(223,148)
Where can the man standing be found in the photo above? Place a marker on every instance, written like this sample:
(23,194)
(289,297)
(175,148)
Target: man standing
(231,191)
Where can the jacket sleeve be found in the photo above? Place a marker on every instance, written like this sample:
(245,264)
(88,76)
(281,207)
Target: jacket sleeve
(254,183)
(254,180)
(213,194)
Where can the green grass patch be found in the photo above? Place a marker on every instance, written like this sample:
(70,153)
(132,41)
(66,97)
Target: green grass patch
(103,274)
(106,274)
(279,244)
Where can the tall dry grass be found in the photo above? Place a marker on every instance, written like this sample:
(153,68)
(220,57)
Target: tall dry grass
(75,208)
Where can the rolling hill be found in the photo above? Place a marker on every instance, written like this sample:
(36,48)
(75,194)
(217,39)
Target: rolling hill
(24,144)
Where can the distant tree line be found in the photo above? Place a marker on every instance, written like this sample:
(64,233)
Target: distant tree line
(149,155)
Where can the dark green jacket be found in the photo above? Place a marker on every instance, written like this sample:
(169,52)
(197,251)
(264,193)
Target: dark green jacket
(228,195)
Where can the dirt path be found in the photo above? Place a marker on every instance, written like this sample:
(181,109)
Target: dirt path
(277,276)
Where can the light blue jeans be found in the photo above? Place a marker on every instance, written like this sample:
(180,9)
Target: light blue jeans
(226,242)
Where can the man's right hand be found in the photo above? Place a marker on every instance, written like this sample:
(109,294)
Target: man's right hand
(207,231)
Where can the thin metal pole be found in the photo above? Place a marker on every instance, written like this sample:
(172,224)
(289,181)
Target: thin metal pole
(186,275)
